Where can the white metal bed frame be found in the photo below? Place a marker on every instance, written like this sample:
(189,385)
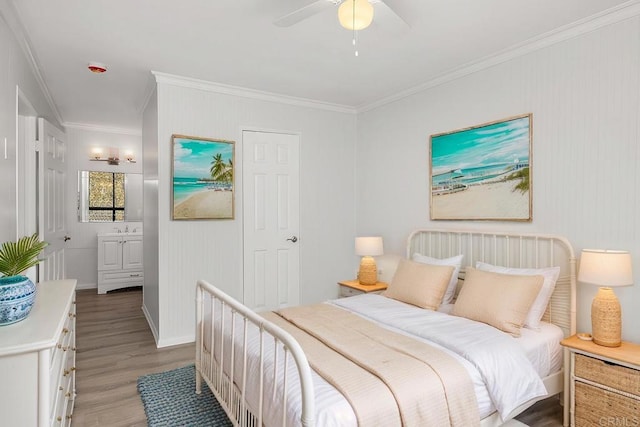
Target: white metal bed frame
(499,248)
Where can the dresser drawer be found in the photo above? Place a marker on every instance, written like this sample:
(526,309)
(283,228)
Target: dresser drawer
(608,374)
(593,405)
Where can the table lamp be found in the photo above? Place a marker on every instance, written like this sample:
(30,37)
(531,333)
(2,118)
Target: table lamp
(367,248)
(606,269)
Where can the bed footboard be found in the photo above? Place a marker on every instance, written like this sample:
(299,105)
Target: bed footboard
(226,323)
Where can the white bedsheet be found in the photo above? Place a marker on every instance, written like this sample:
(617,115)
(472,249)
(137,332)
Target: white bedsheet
(499,368)
(332,409)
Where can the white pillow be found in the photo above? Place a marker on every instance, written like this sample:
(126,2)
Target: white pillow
(550,274)
(455,261)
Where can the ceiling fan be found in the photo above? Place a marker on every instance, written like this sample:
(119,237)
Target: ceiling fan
(345,12)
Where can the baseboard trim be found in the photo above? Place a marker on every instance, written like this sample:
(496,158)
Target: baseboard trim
(152,326)
(175,341)
(81,286)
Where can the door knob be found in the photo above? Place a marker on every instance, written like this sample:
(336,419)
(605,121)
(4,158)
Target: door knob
(293,239)
(67,238)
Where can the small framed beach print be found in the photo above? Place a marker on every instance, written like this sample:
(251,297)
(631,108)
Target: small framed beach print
(202,178)
(483,172)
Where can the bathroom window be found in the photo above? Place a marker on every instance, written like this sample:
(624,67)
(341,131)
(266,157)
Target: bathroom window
(106,196)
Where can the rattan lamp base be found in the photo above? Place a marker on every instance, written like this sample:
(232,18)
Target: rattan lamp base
(368,274)
(606,323)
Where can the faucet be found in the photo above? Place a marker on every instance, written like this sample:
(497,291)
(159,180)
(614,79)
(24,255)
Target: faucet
(117,229)
(126,228)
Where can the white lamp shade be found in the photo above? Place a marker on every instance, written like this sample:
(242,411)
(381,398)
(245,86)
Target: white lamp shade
(605,268)
(369,246)
(363,14)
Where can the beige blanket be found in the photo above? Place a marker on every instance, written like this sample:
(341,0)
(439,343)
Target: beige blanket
(388,378)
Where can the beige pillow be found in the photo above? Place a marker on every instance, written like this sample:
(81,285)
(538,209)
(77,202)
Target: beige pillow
(499,300)
(419,284)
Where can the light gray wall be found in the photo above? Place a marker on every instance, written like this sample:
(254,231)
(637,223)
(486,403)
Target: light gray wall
(584,94)
(151,146)
(81,252)
(14,71)
(212,250)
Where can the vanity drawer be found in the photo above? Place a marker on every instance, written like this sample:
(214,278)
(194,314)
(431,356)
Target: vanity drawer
(608,374)
(120,276)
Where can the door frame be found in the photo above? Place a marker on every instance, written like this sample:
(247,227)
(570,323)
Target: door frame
(26,171)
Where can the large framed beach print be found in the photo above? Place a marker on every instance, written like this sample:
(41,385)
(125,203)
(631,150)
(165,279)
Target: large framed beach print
(483,172)
(202,178)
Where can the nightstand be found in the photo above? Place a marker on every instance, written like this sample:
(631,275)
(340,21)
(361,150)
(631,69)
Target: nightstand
(604,383)
(349,288)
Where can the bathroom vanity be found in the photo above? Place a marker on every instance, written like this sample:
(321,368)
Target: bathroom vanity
(119,261)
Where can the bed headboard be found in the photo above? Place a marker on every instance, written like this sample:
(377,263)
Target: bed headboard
(509,250)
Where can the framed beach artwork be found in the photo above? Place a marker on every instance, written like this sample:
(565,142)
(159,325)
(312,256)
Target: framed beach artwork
(483,172)
(202,178)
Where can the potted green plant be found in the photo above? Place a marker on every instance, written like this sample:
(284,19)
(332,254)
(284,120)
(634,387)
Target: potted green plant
(17,292)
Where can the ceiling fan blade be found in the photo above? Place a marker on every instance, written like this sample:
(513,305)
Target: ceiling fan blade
(399,8)
(303,13)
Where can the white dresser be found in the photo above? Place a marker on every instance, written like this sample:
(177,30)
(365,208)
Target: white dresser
(119,261)
(37,360)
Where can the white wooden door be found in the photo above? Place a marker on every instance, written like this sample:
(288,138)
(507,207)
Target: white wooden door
(271,167)
(132,252)
(51,199)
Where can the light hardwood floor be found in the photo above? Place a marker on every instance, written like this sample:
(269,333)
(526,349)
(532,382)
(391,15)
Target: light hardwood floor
(115,346)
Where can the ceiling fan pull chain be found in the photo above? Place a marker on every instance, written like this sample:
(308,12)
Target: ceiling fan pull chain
(355,34)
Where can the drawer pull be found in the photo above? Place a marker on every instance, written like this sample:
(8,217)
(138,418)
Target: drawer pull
(65,373)
(73,368)
(60,388)
(59,346)
(65,331)
(59,418)
(65,348)
(67,394)
(134,275)
(69,416)
(73,348)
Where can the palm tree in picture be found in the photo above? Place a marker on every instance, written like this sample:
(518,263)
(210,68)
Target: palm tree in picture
(218,168)
(228,174)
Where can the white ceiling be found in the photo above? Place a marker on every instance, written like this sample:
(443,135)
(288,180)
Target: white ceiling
(235,42)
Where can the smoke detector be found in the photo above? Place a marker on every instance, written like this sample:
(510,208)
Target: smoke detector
(96,67)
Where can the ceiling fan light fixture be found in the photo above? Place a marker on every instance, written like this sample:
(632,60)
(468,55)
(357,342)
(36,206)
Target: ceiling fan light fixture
(355,14)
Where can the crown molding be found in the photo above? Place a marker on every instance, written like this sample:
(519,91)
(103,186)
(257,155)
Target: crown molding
(204,85)
(610,16)
(103,129)
(14,21)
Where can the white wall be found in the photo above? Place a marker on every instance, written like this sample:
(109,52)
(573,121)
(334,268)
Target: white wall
(584,94)
(81,251)
(14,71)
(212,250)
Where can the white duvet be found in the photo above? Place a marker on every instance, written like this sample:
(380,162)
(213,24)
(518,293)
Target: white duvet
(503,376)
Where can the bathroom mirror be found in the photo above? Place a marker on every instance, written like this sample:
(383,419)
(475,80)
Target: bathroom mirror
(109,196)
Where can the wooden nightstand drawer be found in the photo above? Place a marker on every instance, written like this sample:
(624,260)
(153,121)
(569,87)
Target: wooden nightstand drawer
(593,405)
(346,291)
(608,374)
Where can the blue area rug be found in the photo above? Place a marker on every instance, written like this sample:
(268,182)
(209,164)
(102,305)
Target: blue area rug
(170,399)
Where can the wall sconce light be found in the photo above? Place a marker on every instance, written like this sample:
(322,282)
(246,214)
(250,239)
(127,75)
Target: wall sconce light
(113,159)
